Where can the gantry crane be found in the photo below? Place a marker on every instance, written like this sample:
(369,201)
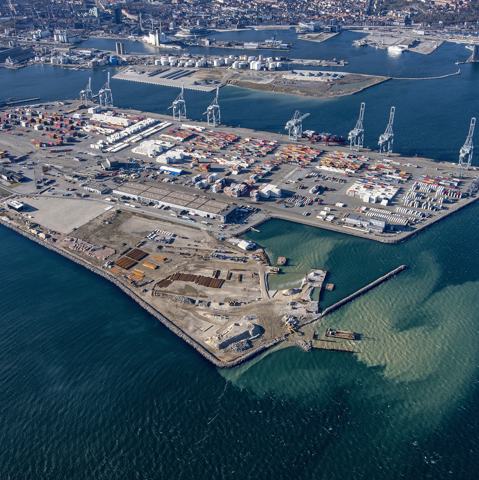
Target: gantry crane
(465,154)
(356,135)
(87,95)
(105,96)
(179,106)
(213,112)
(295,125)
(386,140)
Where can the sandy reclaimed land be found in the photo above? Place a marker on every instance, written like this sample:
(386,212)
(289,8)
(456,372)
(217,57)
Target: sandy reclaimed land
(62,214)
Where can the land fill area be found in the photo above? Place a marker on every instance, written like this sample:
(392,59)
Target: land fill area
(176,249)
(309,83)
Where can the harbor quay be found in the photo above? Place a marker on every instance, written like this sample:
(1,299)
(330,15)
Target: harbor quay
(157,206)
(316,182)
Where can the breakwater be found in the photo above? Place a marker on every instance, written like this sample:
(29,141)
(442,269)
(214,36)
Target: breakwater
(359,292)
(428,78)
(155,313)
(363,290)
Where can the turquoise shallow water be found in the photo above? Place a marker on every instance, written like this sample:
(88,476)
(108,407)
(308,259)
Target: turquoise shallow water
(93,387)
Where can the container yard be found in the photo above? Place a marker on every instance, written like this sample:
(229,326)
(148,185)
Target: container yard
(167,234)
(184,170)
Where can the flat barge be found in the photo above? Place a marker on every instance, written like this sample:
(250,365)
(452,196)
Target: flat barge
(344,334)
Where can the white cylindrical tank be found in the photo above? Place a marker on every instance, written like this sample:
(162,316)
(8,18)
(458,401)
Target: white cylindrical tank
(278,59)
(251,59)
(217,62)
(157,62)
(236,65)
(242,64)
(228,61)
(279,65)
(164,61)
(271,66)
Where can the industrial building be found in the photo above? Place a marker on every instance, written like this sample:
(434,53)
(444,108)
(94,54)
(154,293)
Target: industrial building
(15,205)
(203,207)
(11,177)
(372,223)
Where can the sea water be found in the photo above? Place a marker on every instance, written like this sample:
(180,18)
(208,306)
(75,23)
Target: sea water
(94,387)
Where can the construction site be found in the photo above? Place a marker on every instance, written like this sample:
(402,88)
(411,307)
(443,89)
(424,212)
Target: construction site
(156,204)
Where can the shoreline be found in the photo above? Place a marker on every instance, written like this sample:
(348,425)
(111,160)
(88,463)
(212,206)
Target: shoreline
(216,361)
(339,229)
(155,313)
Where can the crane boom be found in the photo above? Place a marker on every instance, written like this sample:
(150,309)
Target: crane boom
(295,125)
(465,154)
(356,135)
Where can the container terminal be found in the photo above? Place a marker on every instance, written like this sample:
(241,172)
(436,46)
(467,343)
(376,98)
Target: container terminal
(156,204)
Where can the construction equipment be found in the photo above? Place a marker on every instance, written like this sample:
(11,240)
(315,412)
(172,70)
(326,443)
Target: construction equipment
(465,154)
(387,138)
(179,106)
(295,125)
(87,94)
(356,135)
(213,112)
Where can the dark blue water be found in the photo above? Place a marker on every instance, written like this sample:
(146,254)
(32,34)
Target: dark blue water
(94,387)
(432,116)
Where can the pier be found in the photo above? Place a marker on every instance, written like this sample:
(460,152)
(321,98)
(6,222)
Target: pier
(15,101)
(363,290)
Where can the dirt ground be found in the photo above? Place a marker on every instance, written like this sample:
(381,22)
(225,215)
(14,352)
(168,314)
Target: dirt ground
(198,310)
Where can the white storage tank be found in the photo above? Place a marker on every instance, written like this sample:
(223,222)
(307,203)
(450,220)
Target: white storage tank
(279,65)
(158,62)
(271,66)
(278,59)
(228,61)
(236,65)
(251,59)
(217,62)
(164,61)
(242,64)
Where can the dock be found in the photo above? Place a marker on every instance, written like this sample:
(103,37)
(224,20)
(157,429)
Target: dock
(15,101)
